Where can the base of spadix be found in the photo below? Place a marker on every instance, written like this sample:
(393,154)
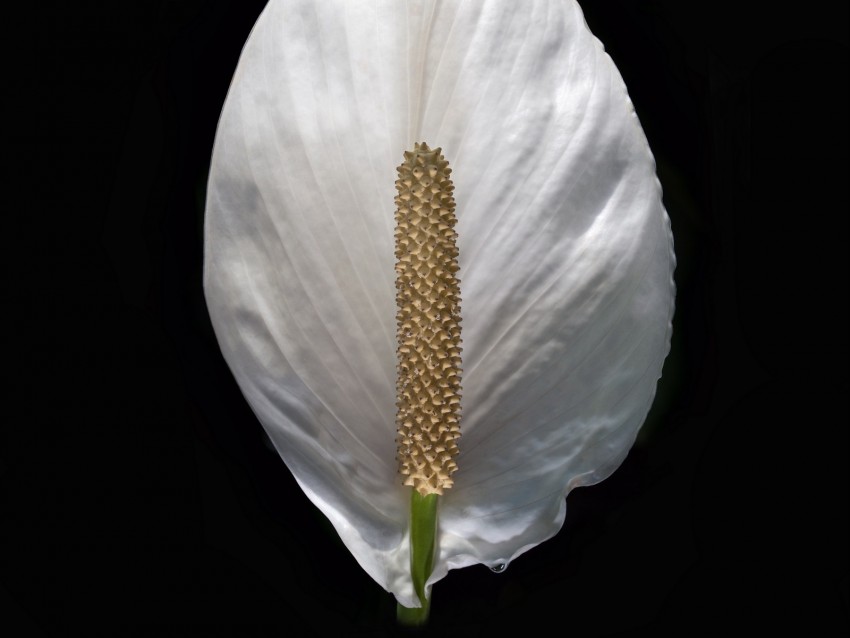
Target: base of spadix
(423,545)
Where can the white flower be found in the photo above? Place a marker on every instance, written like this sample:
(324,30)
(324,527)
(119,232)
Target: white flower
(565,260)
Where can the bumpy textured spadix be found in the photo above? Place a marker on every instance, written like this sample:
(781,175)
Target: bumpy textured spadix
(564,249)
(428,321)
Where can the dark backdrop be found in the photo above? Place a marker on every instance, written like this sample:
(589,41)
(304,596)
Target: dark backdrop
(137,496)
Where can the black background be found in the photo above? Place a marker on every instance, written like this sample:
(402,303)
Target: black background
(138,497)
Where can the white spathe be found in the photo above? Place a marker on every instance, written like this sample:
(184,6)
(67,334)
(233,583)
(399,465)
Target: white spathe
(566,259)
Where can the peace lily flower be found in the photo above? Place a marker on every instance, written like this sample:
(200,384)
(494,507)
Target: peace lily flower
(563,247)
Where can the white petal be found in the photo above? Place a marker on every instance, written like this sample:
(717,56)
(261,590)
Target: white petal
(299,258)
(566,268)
(565,253)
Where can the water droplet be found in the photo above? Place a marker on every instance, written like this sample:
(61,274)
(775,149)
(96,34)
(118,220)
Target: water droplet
(498,568)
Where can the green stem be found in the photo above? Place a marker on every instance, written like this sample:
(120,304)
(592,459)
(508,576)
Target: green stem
(423,537)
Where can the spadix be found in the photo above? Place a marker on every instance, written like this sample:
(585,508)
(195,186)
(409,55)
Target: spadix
(428,318)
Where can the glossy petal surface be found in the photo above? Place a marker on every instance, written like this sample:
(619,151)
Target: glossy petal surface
(565,254)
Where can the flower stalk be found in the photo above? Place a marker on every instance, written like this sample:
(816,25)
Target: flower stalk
(423,547)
